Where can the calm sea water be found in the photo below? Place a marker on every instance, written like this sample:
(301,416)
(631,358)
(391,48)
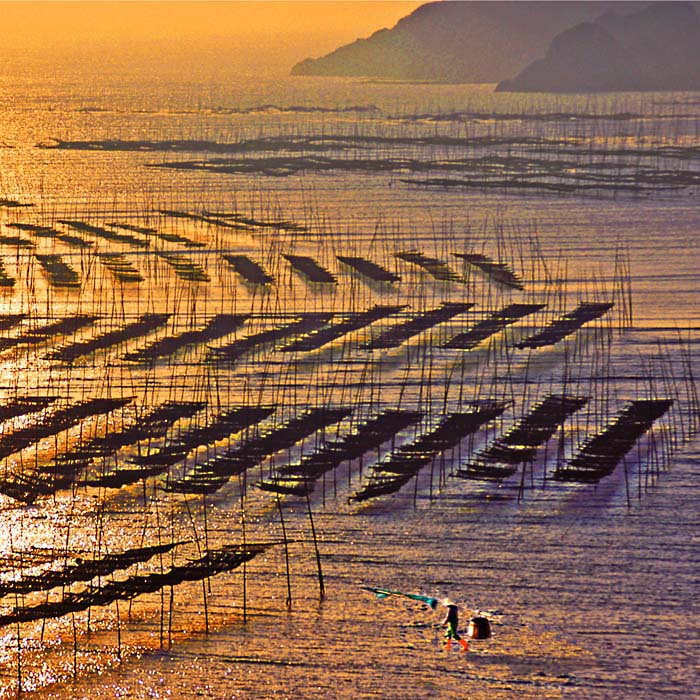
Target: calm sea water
(591,590)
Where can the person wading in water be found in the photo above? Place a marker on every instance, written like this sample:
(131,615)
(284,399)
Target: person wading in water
(452,621)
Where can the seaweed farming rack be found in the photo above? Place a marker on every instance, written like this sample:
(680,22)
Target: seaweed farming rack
(198,352)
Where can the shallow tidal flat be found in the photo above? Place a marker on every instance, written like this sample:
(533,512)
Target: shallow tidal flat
(256,355)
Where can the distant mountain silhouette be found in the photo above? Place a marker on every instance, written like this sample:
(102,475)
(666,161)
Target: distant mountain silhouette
(656,48)
(481,42)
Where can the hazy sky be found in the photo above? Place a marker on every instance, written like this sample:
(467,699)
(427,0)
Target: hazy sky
(314,27)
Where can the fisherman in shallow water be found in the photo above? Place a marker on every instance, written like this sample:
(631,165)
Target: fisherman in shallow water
(452,622)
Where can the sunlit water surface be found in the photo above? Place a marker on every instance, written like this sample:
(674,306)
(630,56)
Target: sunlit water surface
(591,590)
